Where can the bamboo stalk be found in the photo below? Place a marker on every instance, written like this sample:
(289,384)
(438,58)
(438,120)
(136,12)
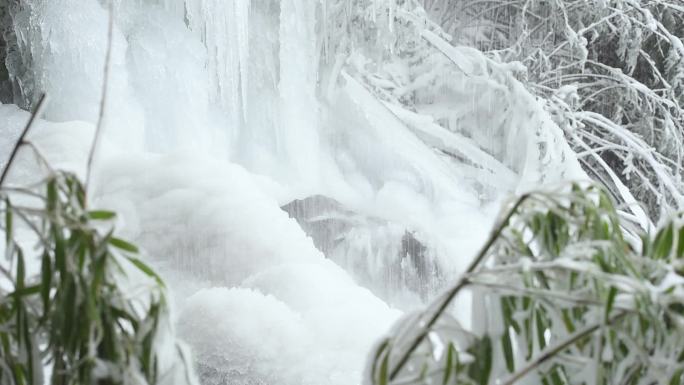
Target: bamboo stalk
(20,141)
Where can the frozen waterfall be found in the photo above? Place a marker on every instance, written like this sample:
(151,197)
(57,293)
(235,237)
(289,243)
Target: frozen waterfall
(294,209)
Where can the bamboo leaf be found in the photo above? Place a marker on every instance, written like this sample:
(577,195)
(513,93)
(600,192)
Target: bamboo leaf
(46,282)
(449,366)
(480,370)
(9,229)
(612,293)
(384,368)
(123,245)
(147,270)
(101,215)
(508,350)
(662,245)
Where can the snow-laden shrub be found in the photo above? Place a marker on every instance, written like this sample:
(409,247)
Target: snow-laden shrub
(472,110)
(611,72)
(608,71)
(565,293)
(77,304)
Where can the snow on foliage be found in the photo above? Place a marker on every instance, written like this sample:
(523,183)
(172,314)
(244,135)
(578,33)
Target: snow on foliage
(567,298)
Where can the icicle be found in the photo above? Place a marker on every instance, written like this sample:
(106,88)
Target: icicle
(241,17)
(326,33)
(223,26)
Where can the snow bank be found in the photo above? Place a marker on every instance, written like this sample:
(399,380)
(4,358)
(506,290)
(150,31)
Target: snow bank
(221,229)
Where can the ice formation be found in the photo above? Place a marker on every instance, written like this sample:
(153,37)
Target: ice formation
(222,112)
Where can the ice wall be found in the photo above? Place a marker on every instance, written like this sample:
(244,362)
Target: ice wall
(223,28)
(67,63)
(299,138)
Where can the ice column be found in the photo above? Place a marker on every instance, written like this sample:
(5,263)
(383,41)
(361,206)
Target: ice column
(223,26)
(298,139)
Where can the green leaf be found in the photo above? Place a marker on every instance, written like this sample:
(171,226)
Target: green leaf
(59,250)
(663,242)
(123,245)
(26,291)
(8,223)
(677,377)
(383,375)
(52,195)
(609,303)
(569,325)
(101,215)
(451,350)
(21,270)
(555,376)
(146,269)
(383,348)
(45,282)
(481,368)
(542,326)
(508,350)
(680,243)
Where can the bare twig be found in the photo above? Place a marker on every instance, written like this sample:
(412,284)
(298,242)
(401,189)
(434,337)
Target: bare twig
(463,282)
(20,141)
(103,99)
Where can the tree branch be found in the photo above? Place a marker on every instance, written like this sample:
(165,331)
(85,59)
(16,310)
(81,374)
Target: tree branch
(20,141)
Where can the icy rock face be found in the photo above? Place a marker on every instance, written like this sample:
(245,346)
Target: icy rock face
(324,219)
(6,33)
(383,256)
(68,63)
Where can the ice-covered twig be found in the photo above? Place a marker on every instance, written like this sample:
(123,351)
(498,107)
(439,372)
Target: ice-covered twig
(103,98)
(21,141)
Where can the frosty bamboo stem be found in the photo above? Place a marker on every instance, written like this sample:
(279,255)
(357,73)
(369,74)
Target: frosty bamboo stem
(552,351)
(542,294)
(20,141)
(463,281)
(103,99)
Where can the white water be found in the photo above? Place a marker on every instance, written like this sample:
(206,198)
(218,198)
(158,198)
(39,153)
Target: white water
(215,118)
